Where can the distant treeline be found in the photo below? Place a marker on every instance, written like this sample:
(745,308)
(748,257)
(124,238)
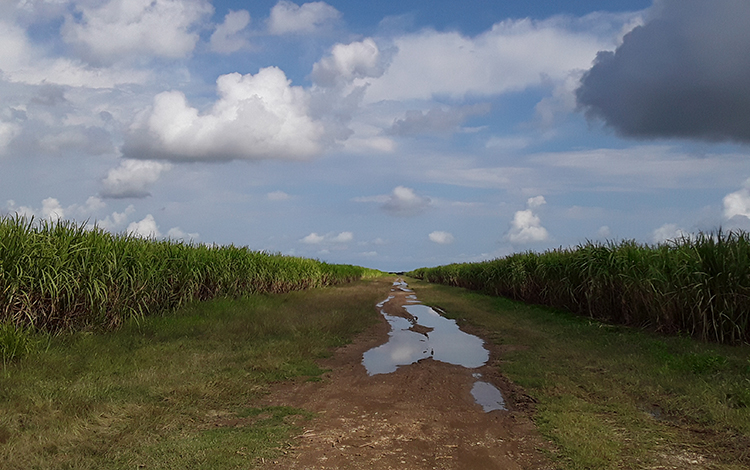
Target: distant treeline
(64,275)
(698,286)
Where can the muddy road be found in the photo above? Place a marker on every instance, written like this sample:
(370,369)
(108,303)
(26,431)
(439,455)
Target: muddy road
(412,392)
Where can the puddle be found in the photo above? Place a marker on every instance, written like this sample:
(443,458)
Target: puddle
(488,396)
(427,334)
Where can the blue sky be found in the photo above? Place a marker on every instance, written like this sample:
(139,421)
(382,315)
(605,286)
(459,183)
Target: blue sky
(392,135)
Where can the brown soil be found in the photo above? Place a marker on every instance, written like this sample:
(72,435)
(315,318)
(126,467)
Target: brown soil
(422,416)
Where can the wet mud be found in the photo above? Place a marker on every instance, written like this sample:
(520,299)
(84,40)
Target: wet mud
(426,410)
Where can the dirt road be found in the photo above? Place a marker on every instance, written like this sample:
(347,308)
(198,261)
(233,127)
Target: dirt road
(422,416)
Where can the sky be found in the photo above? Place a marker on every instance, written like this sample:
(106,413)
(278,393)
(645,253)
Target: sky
(390,134)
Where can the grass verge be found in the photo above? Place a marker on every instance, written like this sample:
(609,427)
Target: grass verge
(614,397)
(178,391)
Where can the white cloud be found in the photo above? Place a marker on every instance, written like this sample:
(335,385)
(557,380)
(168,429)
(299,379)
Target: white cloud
(534,202)
(24,211)
(348,62)
(117,28)
(22,62)
(404,202)
(512,56)
(287,17)
(738,202)
(562,101)
(313,239)
(364,143)
(278,196)
(15,46)
(329,238)
(436,120)
(227,37)
(8,131)
(132,178)
(93,204)
(63,71)
(257,116)
(117,220)
(176,233)
(526,227)
(668,232)
(604,232)
(343,237)
(441,238)
(146,228)
(52,209)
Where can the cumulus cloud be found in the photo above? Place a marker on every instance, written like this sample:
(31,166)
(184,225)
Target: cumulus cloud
(339,82)
(668,232)
(329,238)
(23,62)
(256,116)
(53,210)
(441,238)
(289,18)
(348,62)
(112,29)
(132,178)
(145,228)
(526,226)
(313,239)
(534,202)
(684,73)
(404,202)
(436,120)
(512,56)
(117,220)
(604,232)
(738,203)
(343,237)
(228,37)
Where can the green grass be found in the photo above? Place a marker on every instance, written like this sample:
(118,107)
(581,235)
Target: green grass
(613,397)
(59,276)
(697,286)
(176,391)
(15,342)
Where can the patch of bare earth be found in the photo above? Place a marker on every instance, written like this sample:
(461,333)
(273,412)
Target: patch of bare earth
(422,416)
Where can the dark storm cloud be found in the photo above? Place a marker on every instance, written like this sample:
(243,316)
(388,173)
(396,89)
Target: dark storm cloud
(684,73)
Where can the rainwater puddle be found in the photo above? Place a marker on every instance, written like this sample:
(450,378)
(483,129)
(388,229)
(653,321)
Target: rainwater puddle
(488,396)
(428,334)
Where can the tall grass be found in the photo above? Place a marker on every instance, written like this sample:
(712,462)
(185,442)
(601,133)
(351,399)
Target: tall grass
(698,286)
(64,275)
